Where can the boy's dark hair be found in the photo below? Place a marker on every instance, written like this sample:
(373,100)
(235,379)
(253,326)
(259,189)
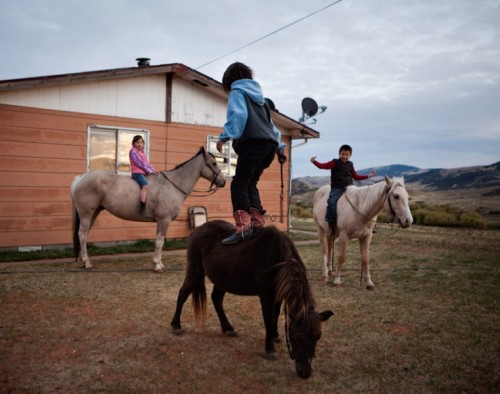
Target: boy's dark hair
(235,72)
(137,138)
(345,147)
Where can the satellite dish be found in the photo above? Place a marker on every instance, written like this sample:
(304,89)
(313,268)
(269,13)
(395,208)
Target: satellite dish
(309,107)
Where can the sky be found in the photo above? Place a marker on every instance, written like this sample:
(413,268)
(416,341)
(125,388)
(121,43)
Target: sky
(404,82)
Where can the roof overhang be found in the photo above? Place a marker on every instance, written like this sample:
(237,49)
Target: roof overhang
(295,129)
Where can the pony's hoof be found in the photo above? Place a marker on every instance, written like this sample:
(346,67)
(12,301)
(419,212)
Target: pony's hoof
(370,287)
(232,333)
(271,356)
(88,266)
(324,279)
(337,284)
(178,331)
(158,270)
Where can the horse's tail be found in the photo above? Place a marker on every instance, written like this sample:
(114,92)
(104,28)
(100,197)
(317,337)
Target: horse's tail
(75,221)
(75,218)
(199,299)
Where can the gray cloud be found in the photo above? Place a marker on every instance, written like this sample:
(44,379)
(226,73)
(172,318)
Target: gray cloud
(408,82)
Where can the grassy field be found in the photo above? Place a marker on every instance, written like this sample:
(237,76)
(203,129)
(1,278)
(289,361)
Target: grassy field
(431,326)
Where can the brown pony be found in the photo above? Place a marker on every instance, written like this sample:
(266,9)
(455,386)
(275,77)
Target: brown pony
(268,266)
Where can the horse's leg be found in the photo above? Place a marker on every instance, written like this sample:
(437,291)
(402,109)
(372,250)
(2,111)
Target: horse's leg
(161,231)
(277,310)
(325,249)
(271,322)
(343,241)
(184,293)
(331,253)
(364,246)
(83,231)
(218,301)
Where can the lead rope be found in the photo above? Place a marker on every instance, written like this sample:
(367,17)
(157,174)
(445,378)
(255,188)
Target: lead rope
(282,193)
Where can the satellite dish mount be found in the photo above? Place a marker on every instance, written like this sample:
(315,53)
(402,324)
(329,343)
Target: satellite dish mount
(309,109)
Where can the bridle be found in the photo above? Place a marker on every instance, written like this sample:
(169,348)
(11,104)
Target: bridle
(391,208)
(213,186)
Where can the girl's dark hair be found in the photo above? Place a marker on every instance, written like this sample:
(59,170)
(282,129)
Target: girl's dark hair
(235,72)
(345,147)
(137,138)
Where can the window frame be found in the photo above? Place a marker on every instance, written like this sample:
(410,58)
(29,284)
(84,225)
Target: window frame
(118,132)
(225,160)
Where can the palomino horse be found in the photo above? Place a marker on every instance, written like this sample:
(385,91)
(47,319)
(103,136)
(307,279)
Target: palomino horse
(357,211)
(119,195)
(267,265)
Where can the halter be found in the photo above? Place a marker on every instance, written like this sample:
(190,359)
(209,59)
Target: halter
(392,211)
(208,192)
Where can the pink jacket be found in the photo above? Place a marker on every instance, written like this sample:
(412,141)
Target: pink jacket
(139,162)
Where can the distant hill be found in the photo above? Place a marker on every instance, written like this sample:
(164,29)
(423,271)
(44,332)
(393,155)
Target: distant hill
(465,186)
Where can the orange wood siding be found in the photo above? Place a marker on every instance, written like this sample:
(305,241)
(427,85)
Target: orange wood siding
(41,151)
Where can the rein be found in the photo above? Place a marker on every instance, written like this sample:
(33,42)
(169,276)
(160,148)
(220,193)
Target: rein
(213,187)
(393,213)
(287,338)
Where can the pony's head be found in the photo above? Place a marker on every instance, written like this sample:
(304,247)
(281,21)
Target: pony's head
(397,202)
(211,170)
(302,337)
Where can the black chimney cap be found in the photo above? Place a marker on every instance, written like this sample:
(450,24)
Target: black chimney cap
(143,61)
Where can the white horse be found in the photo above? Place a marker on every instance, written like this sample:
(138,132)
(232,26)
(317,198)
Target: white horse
(119,195)
(357,211)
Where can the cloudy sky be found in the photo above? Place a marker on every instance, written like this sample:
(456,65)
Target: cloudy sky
(405,82)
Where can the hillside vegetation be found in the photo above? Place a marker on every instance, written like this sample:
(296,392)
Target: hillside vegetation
(468,196)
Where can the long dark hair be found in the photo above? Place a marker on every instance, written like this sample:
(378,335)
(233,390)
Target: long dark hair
(235,72)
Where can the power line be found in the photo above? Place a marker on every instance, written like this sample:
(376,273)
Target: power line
(270,34)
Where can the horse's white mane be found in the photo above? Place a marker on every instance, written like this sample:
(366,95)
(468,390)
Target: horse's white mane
(368,194)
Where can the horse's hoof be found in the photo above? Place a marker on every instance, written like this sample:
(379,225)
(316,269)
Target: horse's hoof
(232,333)
(88,266)
(277,340)
(337,284)
(324,279)
(271,356)
(178,331)
(158,270)
(370,287)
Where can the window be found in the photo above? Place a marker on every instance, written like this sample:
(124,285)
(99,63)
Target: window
(225,160)
(108,147)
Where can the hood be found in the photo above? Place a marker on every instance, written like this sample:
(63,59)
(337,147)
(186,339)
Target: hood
(251,88)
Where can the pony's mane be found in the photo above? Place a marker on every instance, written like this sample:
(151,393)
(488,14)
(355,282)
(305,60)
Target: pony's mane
(368,194)
(293,288)
(188,160)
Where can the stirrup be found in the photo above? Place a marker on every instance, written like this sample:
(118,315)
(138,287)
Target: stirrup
(237,237)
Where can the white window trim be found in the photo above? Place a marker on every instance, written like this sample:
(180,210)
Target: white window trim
(226,154)
(117,130)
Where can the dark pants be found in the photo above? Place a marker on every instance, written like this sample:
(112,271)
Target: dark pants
(253,158)
(331,208)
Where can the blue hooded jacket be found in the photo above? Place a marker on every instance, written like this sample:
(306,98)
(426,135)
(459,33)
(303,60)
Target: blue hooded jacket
(237,112)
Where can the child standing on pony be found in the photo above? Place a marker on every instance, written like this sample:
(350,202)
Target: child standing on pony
(255,140)
(342,174)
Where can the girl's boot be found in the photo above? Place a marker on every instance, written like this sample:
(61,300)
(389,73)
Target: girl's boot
(258,219)
(243,228)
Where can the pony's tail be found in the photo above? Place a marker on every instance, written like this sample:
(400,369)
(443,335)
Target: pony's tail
(75,220)
(199,299)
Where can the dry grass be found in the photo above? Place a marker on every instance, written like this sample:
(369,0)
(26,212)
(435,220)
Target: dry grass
(431,326)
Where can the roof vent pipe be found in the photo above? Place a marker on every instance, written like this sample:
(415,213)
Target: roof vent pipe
(143,61)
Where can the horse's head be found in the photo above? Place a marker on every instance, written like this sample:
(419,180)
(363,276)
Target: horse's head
(211,170)
(302,337)
(397,202)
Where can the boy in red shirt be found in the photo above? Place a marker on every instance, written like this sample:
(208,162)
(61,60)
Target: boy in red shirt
(342,174)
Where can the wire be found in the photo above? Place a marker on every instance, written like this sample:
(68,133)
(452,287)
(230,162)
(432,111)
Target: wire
(270,34)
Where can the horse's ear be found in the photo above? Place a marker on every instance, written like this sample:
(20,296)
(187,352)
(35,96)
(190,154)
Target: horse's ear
(325,315)
(202,150)
(388,181)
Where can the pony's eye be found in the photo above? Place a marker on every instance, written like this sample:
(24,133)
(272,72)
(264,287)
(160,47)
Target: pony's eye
(396,197)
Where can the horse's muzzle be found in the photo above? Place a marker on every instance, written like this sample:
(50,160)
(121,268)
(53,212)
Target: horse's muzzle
(303,370)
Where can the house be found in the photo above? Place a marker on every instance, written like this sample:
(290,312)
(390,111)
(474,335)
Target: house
(54,128)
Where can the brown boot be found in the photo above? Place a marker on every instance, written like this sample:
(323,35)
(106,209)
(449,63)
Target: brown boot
(258,219)
(243,228)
